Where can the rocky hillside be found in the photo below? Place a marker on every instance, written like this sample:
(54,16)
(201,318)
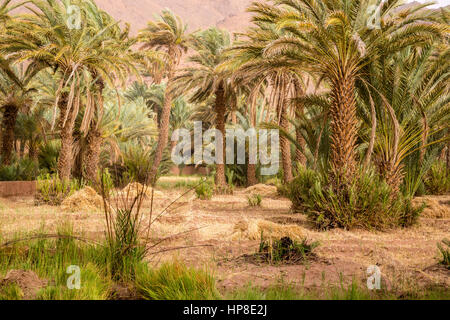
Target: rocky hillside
(228,14)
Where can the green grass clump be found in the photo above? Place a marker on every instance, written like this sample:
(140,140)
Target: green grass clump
(180,183)
(286,250)
(49,257)
(444,249)
(279,291)
(353,291)
(10,292)
(20,170)
(368,202)
(254,200)
(175,281)
(204,191)
(52,190)
(437,181)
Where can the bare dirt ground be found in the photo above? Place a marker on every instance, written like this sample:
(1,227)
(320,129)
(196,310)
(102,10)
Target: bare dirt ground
(407,258)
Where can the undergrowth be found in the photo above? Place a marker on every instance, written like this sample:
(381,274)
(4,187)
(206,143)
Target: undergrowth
(368,202)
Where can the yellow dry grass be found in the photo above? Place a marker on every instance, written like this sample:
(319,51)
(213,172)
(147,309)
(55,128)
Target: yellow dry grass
(438,207)
(86,199)
(135,188)
(255,229)
(263,190)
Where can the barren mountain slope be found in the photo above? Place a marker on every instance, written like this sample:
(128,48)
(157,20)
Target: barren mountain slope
(228,14)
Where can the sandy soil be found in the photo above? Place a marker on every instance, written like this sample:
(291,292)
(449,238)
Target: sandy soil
(407,258)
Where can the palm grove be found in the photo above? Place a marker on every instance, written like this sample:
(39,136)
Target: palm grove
(362,110)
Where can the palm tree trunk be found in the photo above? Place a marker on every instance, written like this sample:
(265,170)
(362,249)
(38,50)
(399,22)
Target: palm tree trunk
(425,128)
(220,109)
(251,175)
(33,151)
(92,154)
(299,152)
(94,138)
(8,126)
(163,137)
(344,131)
(373,133)
(65,159)
(285,146)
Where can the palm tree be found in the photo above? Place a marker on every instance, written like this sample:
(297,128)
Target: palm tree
(167,34)
(7,7)
(281,81)
(116,59)
(414,86)
(333,40)
(15,94)
(77,56)
(207,82)
(153,97)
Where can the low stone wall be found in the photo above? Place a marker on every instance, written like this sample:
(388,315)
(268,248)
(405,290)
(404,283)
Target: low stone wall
(17,188)
(190,171)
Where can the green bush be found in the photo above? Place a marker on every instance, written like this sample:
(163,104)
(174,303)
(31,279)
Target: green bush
(21,170)
(204,191)
(437,181)
(286,250)
(106,182)
(52,190)
(138,161)
(368,202)
(254,200)
(48,156)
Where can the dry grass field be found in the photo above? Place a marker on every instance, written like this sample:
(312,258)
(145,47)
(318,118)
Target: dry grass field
(211,234)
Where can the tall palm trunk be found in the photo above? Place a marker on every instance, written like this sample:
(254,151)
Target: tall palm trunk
(281,85)
(33,151)
(251,175)
(94,139)
(300,157)
(344,130)
(8,125)
(285,146)
(65,159)
(220,109)
(92,155)
(163,137)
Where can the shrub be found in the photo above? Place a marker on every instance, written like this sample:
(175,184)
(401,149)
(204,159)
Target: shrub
(106,182)
(48,156)
(204,191)
(138,162)
(175,281)
(286,250)
(437,181)
(254,200)
(368,202)
(444,249)
(52,190)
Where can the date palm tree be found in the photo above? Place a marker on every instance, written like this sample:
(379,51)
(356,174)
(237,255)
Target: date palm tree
(76,55)
(115,62)
(414,85)
(335,40)
(15,94)
(206,82)
(166,34)
(247,61)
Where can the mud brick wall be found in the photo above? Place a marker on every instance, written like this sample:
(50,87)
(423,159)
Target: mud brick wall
(17,188)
